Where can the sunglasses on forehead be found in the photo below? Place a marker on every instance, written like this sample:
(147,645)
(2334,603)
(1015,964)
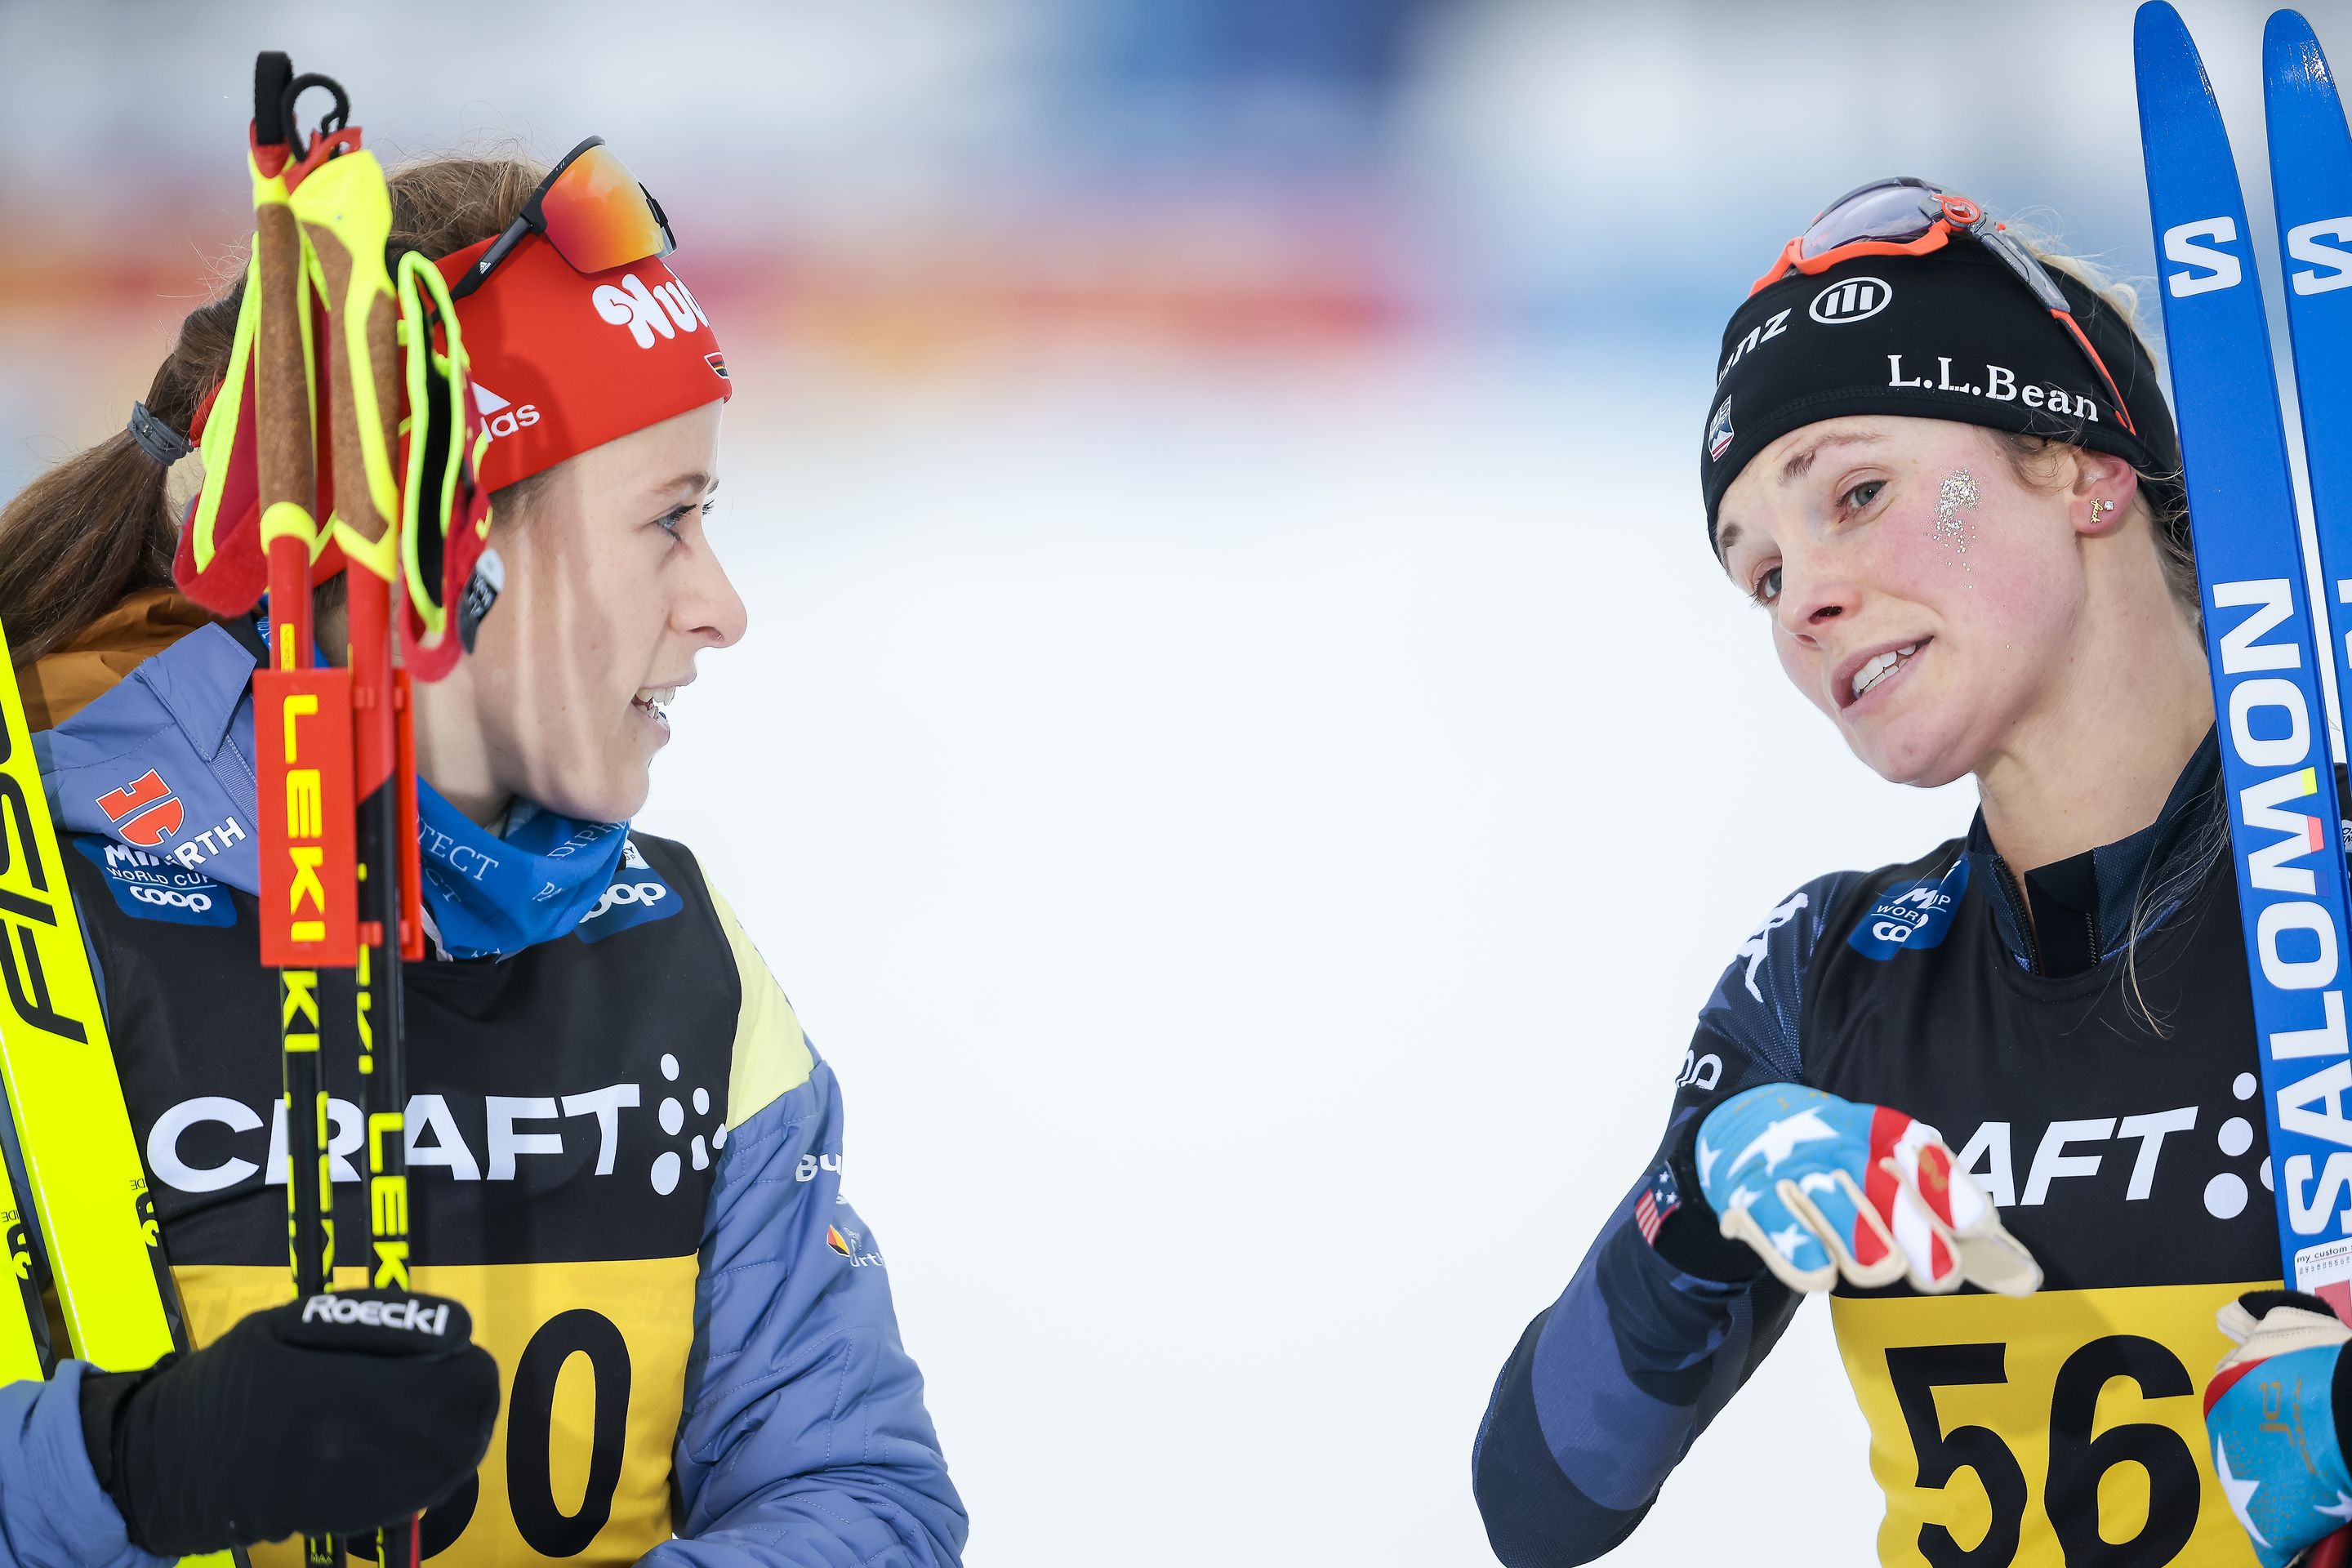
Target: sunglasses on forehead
(1907,216)
(592,210)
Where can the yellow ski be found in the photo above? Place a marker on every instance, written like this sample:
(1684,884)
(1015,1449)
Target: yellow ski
(88,1190)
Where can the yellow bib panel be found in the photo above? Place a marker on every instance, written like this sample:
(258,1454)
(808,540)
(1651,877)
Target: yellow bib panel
(2066,1428)
(591,1359)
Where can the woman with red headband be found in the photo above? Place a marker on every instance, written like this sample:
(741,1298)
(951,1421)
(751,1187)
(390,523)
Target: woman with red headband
(1997,1100)
(623,1149)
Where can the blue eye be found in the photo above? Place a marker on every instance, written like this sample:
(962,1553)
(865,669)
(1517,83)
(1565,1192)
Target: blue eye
(668,521)
(1767,586)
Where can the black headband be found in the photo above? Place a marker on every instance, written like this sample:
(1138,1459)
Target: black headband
(1953,334)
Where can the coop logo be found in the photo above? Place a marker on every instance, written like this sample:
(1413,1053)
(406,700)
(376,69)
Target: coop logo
(145,812)
(499,415)
(1910,916)
(638,896)
(2298,926)
(174,899)
(663,311)
(1854,299)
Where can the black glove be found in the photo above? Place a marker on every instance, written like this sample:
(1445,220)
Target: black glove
(333,1416)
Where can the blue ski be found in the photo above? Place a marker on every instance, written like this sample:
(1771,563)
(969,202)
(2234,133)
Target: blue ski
(2261,641)
(2311,183)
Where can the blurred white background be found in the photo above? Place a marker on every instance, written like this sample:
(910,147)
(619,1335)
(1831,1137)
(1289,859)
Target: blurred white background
(1242,758)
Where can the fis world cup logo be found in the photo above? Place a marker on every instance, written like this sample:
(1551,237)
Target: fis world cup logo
(145,812)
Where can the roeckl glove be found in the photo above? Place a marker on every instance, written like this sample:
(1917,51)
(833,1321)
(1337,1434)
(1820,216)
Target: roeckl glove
(333,1416)
(1820,1187)
(2273,1411)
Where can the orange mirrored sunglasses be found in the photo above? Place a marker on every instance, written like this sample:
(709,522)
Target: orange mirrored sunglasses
(592,209)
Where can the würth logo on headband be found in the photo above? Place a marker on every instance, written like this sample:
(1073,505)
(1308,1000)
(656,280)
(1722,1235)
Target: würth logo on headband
(1854,299)
(649,312)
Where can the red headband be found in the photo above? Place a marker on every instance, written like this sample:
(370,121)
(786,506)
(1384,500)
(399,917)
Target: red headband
(563,361)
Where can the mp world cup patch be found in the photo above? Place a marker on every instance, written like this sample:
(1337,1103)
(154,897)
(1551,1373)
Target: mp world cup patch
(149,887)
(1910,916)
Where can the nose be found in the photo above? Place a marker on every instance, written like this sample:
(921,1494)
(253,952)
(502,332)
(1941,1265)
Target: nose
(1813,592)
(710,609)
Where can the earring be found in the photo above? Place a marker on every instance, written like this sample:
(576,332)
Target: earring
(2099,509)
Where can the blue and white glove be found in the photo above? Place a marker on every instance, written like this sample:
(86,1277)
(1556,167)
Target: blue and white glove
(1820,1187)
(2271,1412)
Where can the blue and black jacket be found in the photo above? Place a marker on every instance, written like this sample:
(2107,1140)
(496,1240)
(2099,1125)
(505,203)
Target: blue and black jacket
(2083,1036)
(626,1158)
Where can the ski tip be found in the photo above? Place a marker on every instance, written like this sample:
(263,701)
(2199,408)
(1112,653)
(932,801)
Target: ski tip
(2159,35)
(2164,58)
(2156,21)
(2290,50)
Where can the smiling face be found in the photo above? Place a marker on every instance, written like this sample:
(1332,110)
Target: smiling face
(612,590)
(1922,596)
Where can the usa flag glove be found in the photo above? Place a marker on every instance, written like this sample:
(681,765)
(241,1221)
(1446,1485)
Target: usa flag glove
(2272,1414)
(1820,1187)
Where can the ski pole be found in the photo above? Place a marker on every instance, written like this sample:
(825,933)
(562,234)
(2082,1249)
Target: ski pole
(302,715)
(346,214)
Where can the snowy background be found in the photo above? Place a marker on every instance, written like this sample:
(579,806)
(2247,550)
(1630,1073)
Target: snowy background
(1242,758)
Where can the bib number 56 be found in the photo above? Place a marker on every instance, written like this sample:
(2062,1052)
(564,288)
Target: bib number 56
(2078,1461)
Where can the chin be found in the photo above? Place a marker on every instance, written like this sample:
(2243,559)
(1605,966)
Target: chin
(610,800)
(1910,753)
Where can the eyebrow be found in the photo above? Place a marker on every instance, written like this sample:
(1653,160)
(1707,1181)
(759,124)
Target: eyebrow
(697,480)
(1802,460)
(1798,463)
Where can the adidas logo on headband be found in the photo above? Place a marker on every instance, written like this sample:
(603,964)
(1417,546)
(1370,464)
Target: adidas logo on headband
(501,418)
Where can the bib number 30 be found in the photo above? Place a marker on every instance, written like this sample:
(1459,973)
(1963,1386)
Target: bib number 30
(2078,1461)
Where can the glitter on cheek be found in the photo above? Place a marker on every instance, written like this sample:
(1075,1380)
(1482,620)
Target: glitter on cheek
(1958,494)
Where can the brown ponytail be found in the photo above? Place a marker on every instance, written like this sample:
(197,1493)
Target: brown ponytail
(96,527)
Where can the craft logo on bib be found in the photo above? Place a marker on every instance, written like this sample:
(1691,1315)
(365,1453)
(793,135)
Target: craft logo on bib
(578,1132)
(1910,915)
(1852,300)
(149,887)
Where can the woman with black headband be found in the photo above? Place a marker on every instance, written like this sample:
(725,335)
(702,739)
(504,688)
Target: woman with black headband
(1997,1100)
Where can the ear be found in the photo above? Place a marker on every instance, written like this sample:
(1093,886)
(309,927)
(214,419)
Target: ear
(2103,493)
